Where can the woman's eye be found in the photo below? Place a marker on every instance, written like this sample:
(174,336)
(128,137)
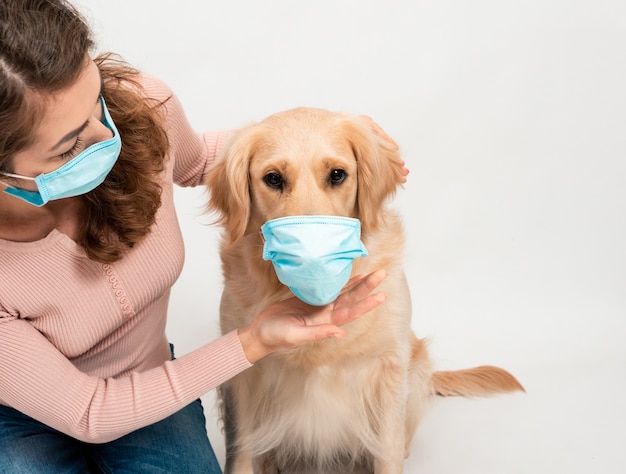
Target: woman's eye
(72,152)
(274,180)
(337,176)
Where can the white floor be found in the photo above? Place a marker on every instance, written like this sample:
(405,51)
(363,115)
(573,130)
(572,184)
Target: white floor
(512,119)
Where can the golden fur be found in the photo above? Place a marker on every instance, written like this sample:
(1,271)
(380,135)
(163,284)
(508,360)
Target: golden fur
(339,405)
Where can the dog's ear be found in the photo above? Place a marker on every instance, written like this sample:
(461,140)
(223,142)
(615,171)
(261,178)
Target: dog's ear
(379,168)
(228,183)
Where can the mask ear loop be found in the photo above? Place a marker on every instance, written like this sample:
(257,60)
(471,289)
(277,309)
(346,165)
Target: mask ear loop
(17,176)
(14,176)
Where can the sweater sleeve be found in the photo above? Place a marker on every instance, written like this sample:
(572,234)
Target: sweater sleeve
(192,152)
(41,348)
(98,410)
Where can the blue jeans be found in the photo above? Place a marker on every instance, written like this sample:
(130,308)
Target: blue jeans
(177,444)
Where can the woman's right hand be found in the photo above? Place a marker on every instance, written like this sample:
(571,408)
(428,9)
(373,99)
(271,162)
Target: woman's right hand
(292,323)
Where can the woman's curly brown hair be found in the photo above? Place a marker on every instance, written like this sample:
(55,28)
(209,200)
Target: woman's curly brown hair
(43,48)
(121,211)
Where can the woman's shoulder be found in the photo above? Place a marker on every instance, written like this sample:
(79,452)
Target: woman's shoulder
(153,87)
(158,90)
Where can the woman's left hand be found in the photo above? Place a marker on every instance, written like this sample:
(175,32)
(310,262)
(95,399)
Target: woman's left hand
(292,323)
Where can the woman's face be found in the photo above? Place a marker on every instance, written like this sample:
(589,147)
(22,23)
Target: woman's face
(72,121)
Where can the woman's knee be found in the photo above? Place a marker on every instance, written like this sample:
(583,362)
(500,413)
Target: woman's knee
(27,446)
(177,444)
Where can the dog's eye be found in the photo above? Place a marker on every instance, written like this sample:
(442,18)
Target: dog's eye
(274,180)
(337,176)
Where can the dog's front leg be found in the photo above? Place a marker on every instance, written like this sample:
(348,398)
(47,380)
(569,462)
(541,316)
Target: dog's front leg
(391,432)
(392,445)
(240,464)
(238,457)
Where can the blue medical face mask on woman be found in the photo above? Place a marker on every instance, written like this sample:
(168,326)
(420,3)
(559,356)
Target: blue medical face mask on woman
(80,175)
(313,255)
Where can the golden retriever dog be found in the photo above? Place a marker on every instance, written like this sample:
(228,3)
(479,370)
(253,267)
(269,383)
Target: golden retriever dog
(338,405)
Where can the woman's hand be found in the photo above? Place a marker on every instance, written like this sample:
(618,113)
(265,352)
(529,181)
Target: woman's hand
(292,323)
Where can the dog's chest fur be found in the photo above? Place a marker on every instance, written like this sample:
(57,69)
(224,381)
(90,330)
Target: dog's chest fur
(323,400)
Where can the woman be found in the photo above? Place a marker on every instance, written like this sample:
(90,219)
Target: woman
(89,248)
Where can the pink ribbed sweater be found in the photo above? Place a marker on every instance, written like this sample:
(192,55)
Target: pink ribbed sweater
(82,344)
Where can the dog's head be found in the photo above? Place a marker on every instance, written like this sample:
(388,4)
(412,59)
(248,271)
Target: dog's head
(303,162)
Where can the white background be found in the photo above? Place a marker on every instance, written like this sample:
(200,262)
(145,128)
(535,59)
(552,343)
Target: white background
(511,117)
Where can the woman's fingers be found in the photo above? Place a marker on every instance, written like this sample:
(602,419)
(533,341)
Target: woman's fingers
(358,300)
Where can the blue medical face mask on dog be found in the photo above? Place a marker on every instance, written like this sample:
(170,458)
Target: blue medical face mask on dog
(313,255)
(79,175)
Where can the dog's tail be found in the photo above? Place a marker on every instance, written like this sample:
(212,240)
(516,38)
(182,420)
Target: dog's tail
(476,382)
